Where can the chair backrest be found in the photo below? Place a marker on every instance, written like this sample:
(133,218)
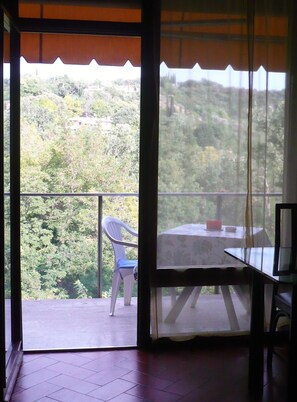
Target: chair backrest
(114,229)
(285,249)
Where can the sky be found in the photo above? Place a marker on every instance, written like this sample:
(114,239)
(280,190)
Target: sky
(227,77)
(230,77)
(81,72)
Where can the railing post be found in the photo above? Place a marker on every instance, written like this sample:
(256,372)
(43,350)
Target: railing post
(99,245)
(219,206)
(219,217)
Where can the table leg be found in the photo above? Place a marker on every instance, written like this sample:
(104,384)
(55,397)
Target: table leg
(230,308)
(292,358)
(243,293)
(172,295)
(196,292)
(179,304)
(256,350)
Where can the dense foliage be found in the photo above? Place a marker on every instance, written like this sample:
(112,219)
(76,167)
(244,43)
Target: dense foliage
(203,149)
(75,138)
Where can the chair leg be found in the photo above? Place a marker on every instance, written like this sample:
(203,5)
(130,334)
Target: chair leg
(272,328)
(116,281)
(128,287)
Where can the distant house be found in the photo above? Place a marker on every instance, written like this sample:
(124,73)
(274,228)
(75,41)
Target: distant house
(87,122)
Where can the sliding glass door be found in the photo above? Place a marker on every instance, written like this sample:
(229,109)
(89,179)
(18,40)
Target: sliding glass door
(221,158)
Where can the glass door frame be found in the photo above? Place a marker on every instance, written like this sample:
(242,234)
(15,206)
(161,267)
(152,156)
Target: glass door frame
(2,279)
(149,32)
(147,95)
(12,358)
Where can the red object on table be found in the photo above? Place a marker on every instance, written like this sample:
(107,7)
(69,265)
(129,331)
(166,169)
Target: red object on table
(213,224)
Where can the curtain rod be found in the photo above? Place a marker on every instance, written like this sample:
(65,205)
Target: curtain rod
(211,6)
(98,3)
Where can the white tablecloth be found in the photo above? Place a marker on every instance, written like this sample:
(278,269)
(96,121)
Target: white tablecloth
(192,244)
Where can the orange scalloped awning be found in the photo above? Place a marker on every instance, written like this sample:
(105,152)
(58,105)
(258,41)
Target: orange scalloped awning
(217,40)
(213,40)
(80,49)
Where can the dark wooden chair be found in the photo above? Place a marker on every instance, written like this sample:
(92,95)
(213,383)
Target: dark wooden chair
(284,264)
(280,308)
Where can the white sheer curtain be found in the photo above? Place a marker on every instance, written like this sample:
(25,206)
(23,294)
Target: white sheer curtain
(222,141)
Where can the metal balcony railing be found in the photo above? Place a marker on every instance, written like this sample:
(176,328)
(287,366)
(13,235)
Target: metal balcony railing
(217,198)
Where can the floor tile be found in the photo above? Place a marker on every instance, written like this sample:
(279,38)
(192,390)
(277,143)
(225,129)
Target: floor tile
(35,378)
(111,390)
(71,358)
(66,395)
(107,360)
(153,395)
(35,393)
(73,384)
(73,371)
(105,376)
(127,398)
(146,380)
(36,364)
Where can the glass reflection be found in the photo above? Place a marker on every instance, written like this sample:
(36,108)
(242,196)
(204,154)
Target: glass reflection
(6,118)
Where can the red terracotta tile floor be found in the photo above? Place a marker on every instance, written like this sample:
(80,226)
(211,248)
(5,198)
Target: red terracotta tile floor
(208,374)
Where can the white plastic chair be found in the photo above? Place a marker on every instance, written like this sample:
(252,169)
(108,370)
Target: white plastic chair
(124,269)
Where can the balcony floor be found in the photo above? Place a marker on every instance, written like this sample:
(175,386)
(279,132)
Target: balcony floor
(78,323)
(85,323)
